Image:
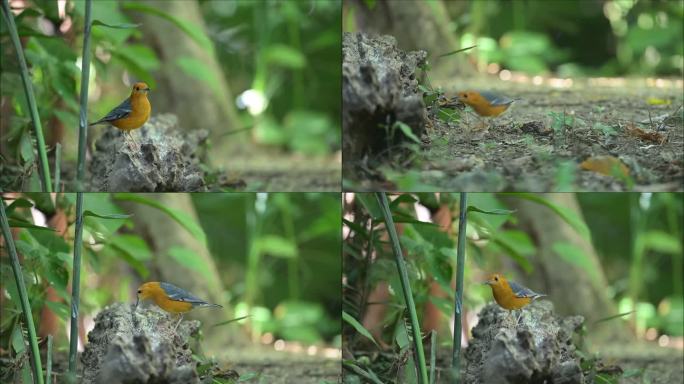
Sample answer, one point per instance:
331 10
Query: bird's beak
147 90
488 282
137 300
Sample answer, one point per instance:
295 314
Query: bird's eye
137 88
496 278
139 291
465 96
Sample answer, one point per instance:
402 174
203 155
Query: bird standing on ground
510 295
485 104
170 298
132 113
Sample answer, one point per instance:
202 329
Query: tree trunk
416 25
570 287
196 104
162 234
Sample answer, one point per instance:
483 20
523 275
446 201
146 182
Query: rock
164 160
138 347
538 350
379 88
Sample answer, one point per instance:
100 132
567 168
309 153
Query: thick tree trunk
570 287
162 234
196 104
416 25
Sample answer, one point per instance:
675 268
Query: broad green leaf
662 242
567 215
190 260
16 223
276 246
199 70
575 256
19 203
182 218
284 56
193 31
133 245
62 310
357 326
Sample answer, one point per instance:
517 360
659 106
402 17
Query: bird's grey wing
122 110
521 291
496 99
179 294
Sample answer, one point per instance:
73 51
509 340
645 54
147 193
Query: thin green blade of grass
23 294
30 98
405 285
456 51
613 317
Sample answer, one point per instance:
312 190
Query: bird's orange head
469 96
140 88
496 280
148 290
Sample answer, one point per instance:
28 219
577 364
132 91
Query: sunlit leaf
276 246
116 26
117 216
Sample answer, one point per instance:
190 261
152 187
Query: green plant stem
458 310
23 294
405 286
433 355
30 97
76 283
48 369
58 159
83 117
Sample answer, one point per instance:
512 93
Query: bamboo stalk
76 283
83 116
405 286
30 97
23 295
458 310
48 369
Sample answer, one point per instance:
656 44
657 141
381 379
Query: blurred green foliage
287 243
574 38
289 51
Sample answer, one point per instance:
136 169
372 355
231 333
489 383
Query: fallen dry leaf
645 135
605 165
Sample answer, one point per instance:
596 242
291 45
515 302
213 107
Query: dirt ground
264 365
541 143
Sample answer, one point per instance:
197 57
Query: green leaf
567 215
575 256
62 310
17 223
662 242
284 56
230 321
182 218
457 51
190 260
490 212
198 69
407 131
276 246
132 245
19 203
193 31
116 216
359 328
116 26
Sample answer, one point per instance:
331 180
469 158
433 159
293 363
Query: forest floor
264 365
591 136
266 170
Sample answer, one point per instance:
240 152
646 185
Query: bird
170 298
484 103
132 113
510 295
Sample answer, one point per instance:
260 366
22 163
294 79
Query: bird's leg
180 318
519 317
